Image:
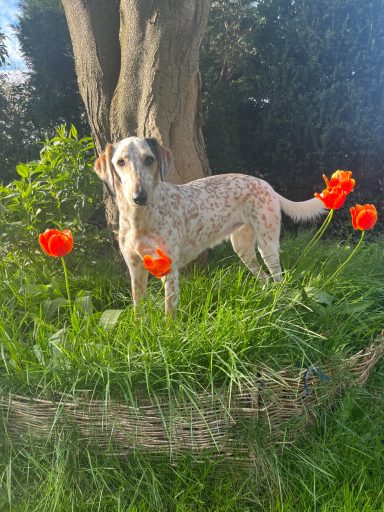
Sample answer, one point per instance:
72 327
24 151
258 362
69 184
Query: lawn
228 324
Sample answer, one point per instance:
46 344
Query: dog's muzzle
140 198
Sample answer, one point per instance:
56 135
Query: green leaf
73 131
318 295
83 303
23 170
57 350
57 337
51 308
109 318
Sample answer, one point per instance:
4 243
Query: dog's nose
140 198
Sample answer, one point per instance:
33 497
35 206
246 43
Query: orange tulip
160 266
363 216
342 179
56 243
332 197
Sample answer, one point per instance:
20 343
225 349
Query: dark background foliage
299 92
290 90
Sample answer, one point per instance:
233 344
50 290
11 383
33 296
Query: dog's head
133 167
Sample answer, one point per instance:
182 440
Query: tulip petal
326 180
43 241
339 200
366 219
359 208
163 255
148 262
353 215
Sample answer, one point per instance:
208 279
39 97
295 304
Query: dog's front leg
139 279
171 285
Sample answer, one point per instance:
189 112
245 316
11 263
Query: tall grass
227 319
228 323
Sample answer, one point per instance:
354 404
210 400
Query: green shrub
58 190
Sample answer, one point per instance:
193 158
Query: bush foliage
57 190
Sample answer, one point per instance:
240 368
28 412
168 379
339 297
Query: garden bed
276 405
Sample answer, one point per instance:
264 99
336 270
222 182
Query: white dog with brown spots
185 220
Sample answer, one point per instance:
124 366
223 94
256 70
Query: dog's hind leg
269 251
243 242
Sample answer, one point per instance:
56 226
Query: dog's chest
144 238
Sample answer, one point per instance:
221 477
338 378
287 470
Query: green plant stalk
316 237
67 284
337 271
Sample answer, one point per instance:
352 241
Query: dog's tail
302 210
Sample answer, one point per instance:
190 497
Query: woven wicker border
204 424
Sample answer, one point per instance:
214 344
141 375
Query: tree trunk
137 68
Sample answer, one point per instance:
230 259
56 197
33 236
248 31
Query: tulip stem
322 229
337 271
67 283
316 237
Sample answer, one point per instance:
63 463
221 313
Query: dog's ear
163 156
104 168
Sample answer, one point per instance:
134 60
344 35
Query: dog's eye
149 160
121 162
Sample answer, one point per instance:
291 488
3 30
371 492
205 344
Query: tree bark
137 68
